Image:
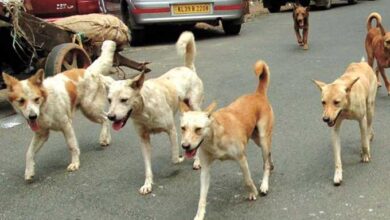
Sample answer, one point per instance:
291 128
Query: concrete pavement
106 186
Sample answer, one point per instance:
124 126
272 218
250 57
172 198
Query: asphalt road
106 186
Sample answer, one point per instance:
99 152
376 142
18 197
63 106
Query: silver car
141 14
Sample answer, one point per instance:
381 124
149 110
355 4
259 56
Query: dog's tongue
33 125
190 154
117 125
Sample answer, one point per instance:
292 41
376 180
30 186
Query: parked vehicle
62 8
274 5
141 14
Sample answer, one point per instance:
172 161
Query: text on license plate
191 9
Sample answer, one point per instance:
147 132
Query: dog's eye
183 128
323 102
36 100
336 102
198 130
21 101
109 101
124 100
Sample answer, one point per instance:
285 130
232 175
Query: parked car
62 8
274 5
141 14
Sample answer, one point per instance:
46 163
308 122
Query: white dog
49 104
152 105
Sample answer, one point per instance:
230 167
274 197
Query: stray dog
49 104
153 104
224 134
352 96
378 47
301 21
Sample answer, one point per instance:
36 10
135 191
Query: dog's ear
350 84
138 81
307 9
210 108
184 107
295 5
9 81
319 84
37 78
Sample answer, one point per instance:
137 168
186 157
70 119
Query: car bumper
161 13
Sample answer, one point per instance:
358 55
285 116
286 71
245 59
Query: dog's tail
186 47
378 18
103 64
262 72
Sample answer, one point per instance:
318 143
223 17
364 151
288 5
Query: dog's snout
185 146
111 117
32 116
326 119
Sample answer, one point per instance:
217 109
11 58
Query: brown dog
378 47
224 135
301 21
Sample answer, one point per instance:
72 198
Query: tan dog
301 22
224 135
352 96
378 47
49 104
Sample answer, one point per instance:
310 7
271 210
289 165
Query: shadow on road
159 35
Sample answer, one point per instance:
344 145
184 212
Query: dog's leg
366 156
205 162
265 141
74 150
379 84
338 174
298 34
94 112
36 143
387 83
370 115
247 178
176 158
305 34
105 135
147 154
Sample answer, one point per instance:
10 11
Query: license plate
191 9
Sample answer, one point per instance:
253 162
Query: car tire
137 37
328 5
274 7
351 2
231 28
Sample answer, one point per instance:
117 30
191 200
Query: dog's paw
264 188
366 158
200 215
305 47
196 165
253 195
73 167
379 84
145 189
105 140
29 178
177 160
338 177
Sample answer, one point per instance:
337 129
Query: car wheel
328 4
231 28
137 37
274 7
351 2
